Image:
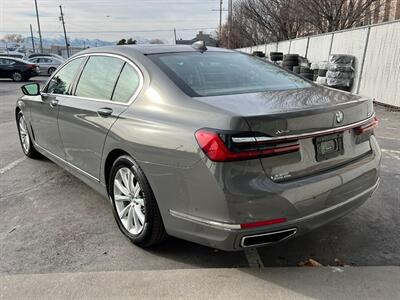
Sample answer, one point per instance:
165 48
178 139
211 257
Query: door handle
105 112
53 102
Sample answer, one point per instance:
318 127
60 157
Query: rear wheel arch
110 159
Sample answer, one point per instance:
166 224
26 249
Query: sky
112 20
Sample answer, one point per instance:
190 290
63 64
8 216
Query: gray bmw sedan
208 145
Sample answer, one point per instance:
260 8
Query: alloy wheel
129 201
24 135
17 76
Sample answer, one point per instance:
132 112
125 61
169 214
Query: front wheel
24 137
51 70
134 205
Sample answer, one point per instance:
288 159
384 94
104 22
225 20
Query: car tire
305 70
25 138
135 208
51 70
296 69
294 57
322 72
290 63
17 76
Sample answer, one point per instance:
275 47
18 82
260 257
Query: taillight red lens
216 150
31 66
262 223
367 127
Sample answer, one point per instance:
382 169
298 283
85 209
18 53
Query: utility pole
175 35
220 19
230 8
65 32
38 24
33 42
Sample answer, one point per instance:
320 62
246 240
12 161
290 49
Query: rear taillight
31 66
262 223
221 147
367 128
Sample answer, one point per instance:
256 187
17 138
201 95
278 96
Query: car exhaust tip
267 238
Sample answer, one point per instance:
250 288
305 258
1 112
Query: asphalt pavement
51 223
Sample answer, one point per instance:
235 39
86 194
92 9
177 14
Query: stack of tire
276 56
322 70
290 61
340 71
258 53
307 73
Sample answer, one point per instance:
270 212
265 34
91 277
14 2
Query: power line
120 31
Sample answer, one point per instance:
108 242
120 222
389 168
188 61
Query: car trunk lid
316 118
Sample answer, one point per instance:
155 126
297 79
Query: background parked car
17 69
47 64
13 54
32 55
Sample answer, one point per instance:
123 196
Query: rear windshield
224 73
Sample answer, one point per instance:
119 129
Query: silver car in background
209 145
47 64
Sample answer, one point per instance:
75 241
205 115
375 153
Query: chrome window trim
67 163
132 64
302 135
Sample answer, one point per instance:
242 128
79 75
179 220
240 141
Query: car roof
153 49
49 57
16 59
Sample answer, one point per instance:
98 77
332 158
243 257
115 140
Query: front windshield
224 73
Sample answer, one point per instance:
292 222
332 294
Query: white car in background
47 64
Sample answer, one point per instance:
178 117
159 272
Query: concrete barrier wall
376 49
299 46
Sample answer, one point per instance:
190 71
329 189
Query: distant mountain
59 41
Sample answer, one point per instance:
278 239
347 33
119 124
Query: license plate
329 146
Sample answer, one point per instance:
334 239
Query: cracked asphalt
50 222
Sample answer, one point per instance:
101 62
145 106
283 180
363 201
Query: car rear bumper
306 205
228 236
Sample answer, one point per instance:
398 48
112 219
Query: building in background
210 41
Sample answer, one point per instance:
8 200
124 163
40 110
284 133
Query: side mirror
31 89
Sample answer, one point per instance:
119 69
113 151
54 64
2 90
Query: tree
244 31
333 15
13 38
121 42
156 41
279 18
131 41
262 21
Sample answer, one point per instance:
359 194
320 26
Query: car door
100 96
44 65
44 109
6 67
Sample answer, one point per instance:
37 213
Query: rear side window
128 83
60 82
223 73
99 77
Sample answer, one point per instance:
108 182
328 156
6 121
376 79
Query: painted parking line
392 153
388 138
11 165
253 258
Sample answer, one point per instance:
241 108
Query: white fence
375 47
